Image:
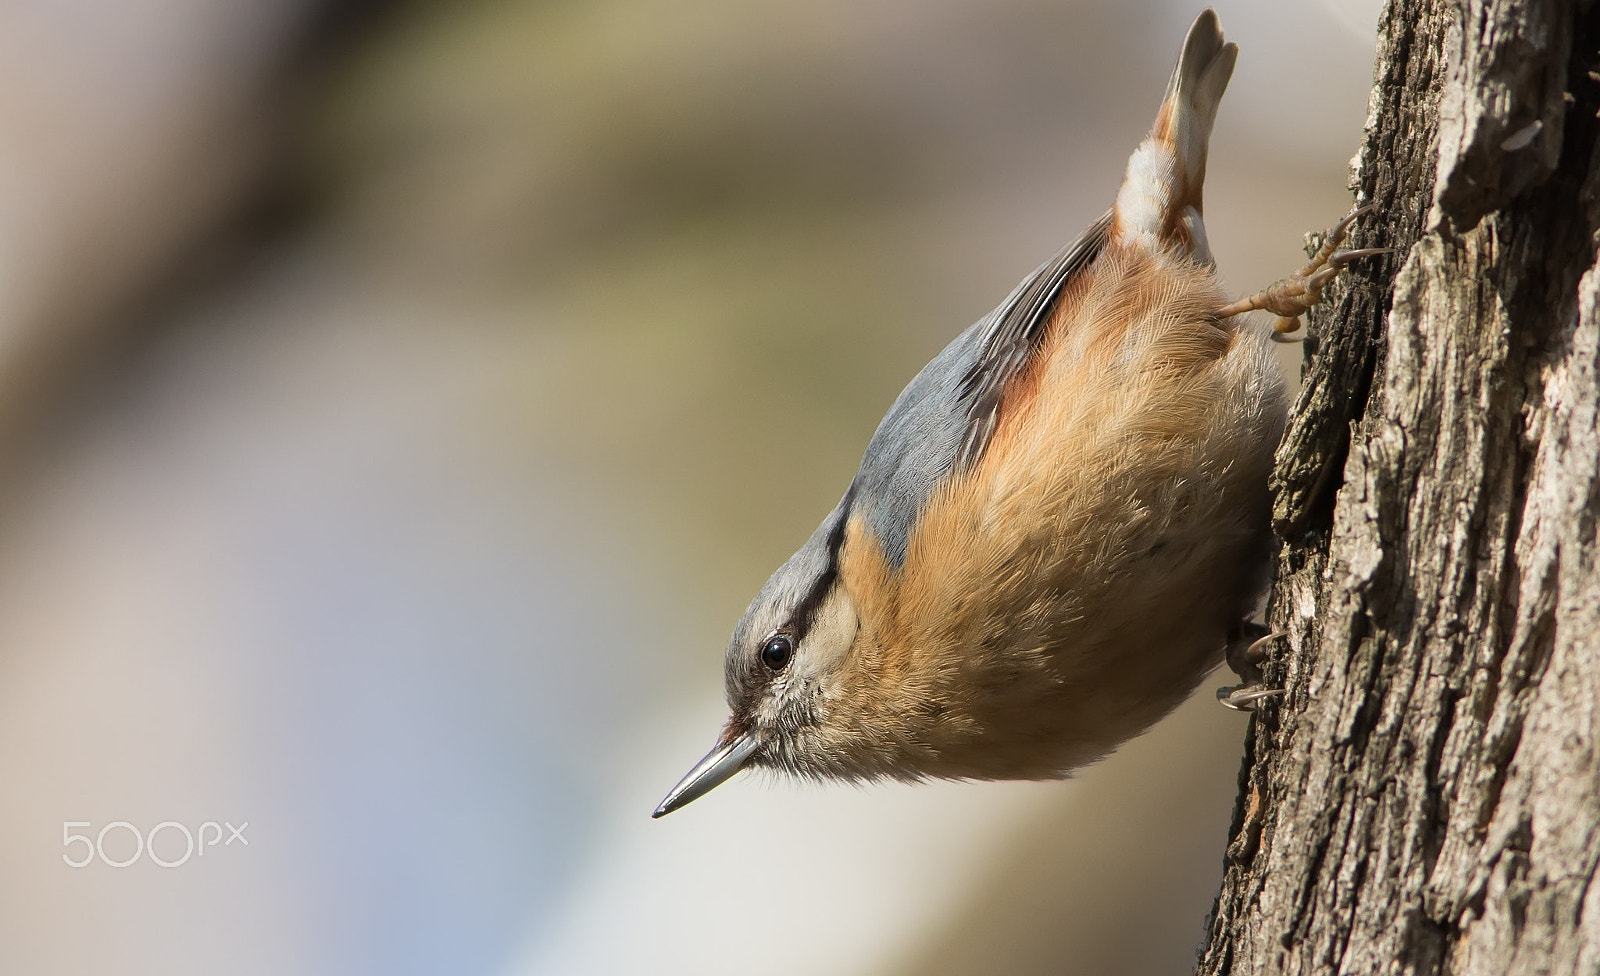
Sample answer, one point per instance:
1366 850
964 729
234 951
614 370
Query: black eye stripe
805 612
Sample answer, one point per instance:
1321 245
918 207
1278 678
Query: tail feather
1159 204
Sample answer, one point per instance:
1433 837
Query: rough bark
1426 796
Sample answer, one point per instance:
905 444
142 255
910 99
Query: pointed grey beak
709 773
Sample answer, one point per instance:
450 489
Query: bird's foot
1292 296
1246 651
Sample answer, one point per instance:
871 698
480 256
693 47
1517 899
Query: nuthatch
1062 523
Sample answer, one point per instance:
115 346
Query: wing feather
1013 331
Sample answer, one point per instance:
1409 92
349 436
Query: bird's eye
776 653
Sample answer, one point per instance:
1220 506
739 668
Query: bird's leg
1247 642
1290 297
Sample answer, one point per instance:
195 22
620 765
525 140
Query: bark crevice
1426 797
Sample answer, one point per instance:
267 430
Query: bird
1062 523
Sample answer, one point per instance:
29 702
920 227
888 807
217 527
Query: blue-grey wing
945 417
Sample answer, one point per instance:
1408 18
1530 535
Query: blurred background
399 403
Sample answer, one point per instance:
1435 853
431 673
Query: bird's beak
709 773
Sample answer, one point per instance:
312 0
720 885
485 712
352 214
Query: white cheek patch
820 655
832 632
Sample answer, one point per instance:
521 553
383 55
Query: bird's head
795 678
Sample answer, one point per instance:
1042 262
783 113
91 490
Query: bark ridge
1426 797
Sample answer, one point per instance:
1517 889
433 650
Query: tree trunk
1426 796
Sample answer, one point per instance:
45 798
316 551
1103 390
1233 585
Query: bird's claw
1290 297
1245 660
1244 698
